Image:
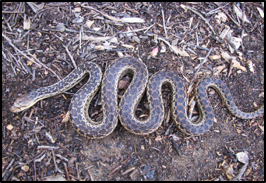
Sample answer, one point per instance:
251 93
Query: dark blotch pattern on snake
125 110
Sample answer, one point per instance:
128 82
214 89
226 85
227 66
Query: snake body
125 110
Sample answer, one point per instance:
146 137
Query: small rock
146 168
150 174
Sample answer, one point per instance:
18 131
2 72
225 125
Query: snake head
22 103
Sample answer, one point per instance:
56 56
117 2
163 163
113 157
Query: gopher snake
125 110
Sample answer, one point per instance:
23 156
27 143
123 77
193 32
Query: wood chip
9 127
132 20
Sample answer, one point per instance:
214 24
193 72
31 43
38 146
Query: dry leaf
237 65
89 23
158 138
227 57
230 171
154 52
218 69
220 17
9 127
163 47
132 20
224 32
177 50
66 118
250 66
261 12
240 14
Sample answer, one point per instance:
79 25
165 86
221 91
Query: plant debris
44 42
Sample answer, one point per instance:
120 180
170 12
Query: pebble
146 168
119 145
150 174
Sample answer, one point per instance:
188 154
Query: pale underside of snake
125 110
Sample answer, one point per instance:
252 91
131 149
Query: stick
192 45
214 11
137 30
69 54
228 15
164 26
183 6
159 38
196 73
36 62
104 14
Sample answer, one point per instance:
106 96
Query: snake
125 110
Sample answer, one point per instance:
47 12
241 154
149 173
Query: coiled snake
125 110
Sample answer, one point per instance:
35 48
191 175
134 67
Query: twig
114 170
159 38
104 14
217 4
47 147
205 20
214 11
240 173
197 38
90 173
69 54
7 23
189 49
138 30
77 168
168 129
9 165
56 168
80 35
13 12
128 170
196 73
68 179
36 62
34 166
164 26
192 45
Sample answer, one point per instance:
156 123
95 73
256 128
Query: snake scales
125 110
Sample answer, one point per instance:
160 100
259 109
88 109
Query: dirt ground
37 144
